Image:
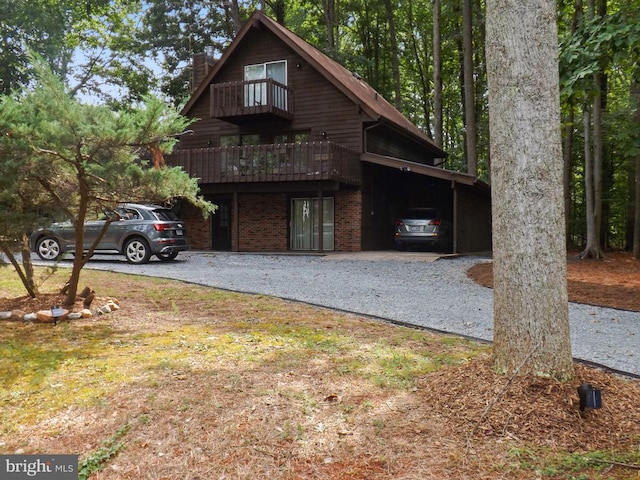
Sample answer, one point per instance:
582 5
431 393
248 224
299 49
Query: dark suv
136 231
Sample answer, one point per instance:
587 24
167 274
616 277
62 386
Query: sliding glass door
255 93
304 224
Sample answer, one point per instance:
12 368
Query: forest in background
427 58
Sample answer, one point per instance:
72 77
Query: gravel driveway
414 288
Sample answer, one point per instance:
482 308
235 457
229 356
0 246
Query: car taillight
159 227
435 222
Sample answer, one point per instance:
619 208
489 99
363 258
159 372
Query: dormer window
256 91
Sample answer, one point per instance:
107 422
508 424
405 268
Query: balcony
241 102
286 162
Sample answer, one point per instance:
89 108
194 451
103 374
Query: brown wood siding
387 142
473 225
319 106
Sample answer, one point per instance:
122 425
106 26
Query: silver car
136 231
422 227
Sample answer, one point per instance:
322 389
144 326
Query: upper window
292 137
256 91
237 140
260 71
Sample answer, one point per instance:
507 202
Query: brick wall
198 229
263 222
348 220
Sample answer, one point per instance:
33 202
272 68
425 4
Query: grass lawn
188 382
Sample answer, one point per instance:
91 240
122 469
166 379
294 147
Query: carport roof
421 169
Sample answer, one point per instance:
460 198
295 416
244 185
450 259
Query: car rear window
165 215
420 213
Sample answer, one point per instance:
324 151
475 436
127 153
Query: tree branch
505 388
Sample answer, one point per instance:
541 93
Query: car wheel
48 248
137 250
167 257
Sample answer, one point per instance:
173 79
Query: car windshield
420 213
165 215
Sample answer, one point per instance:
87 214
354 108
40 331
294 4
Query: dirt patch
610 282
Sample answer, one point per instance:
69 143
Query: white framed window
255 93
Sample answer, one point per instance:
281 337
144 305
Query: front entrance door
221 225
304 224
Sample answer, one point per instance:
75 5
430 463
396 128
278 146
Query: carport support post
455 217
320 221
235 222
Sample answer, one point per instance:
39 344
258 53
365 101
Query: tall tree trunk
395 56
437 76
278 7
25 272
567 157
635 93
235 16
593 179
588 183
330 21
471 129
531 317
593 249
422 65
568 139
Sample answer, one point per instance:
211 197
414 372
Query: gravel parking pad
414 288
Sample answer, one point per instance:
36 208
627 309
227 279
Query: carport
390 185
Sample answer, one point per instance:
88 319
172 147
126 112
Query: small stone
30 317
75 316
113 305
5 315
86 313
46 316
18 314
105 309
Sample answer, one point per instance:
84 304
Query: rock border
46 316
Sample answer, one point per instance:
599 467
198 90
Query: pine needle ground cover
192 382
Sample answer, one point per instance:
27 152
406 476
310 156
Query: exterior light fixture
590 397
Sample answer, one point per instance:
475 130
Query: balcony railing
234 101
285 162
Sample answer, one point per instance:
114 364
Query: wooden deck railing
283 162
252 97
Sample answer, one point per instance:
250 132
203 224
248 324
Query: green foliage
72 149
80 157
54 29
98 458
591 465
118 39
172 32
596 45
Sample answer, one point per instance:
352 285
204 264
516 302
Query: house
288 143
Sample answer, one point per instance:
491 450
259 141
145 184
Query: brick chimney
202 63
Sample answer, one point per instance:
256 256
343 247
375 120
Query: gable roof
361 93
